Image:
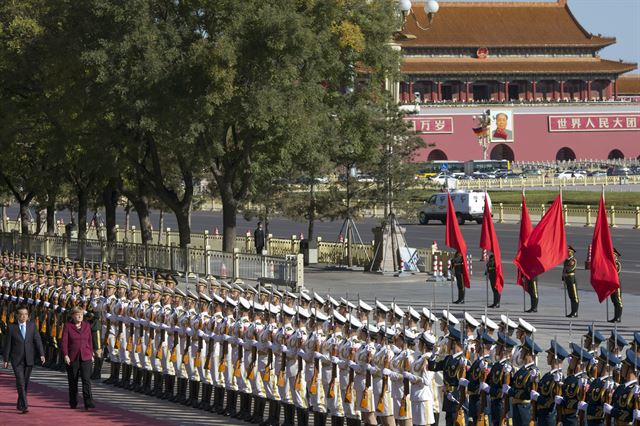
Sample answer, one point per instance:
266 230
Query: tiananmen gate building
533 66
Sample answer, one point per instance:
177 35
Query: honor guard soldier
314 366
162 348
616 343
469 336
95 319
251 362
549 386
523 382
296 364
477 388
423 389
175 346
457 267
330 377
381 362
499 376
453 368
491 274
574 386
363 380
523 331
592 340
636 342
569 278
624 404
280 354
616 296
600 389
266 362
427 321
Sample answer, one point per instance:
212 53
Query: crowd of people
260 354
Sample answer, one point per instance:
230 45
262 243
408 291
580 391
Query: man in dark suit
258 238
21 344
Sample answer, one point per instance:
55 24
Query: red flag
525 231
604 275
454 239
547 244
489 241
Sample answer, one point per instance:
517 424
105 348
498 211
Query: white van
468 206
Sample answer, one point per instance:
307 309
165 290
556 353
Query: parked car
532 173
618 171
440 178
569 174
597 173
468 205
483 175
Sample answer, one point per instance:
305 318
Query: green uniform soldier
616 296
569 278
457 264
491 274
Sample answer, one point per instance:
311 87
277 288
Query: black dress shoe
612 320
496 306
88 405
25 410
492 306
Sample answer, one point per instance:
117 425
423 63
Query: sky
612 18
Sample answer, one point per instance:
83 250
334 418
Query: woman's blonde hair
77 310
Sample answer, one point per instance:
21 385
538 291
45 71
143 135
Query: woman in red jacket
77 348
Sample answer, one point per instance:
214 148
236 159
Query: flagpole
563 283
606 302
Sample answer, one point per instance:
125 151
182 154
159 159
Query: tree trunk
83 202
51 218
229 211
39 223
183 216
141 205
24 217
160 226
127 211
312 210
110 197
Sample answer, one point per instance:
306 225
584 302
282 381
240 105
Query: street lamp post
483 124
431 7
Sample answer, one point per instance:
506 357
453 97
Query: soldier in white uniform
313 369
363 381
346 353
198 350
296 365
150 335
330 371
400 385
174 345
266 362
251 364
212 359
105 310
225 366
122 320
280 354
141 364
240 357
523 330
162 357
423 386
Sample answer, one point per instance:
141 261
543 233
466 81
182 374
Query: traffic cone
301 236
484 255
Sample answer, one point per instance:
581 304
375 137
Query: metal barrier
287 270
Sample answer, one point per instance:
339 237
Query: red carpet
49 406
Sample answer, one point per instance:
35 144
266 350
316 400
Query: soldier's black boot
237 414
146 382
116 373
181 396
96 374
303 416
231 403
496 300
534 305
218 400
319 419
194 391
136 373
112 368
289 414
245 407
157 385
170 382
178 386
274 414
205 402
258 410
126 376
337 421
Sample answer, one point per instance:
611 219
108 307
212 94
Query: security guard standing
457 265
616 296
569 278
491 274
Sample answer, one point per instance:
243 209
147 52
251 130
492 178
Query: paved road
625 239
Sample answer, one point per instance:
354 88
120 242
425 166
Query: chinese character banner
594 123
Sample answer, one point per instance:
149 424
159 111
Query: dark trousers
259 249
80 369
22 373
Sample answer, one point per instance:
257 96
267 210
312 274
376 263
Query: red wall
533 141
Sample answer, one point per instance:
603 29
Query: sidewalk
48 405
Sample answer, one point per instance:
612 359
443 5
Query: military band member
523 382
490 272
574 386
457 268
569 278
616 296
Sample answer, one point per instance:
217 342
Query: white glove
240 341
636 390
505 388
450 397
557 376
386 371
318 355
301 352
464 382
200 333
284 349
484 387
534 373
507 368
593 361
352 365
371 368
583 382
407 375
636 415
607 408
558 399
335 360
534 395
582 406
30 301
47 304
